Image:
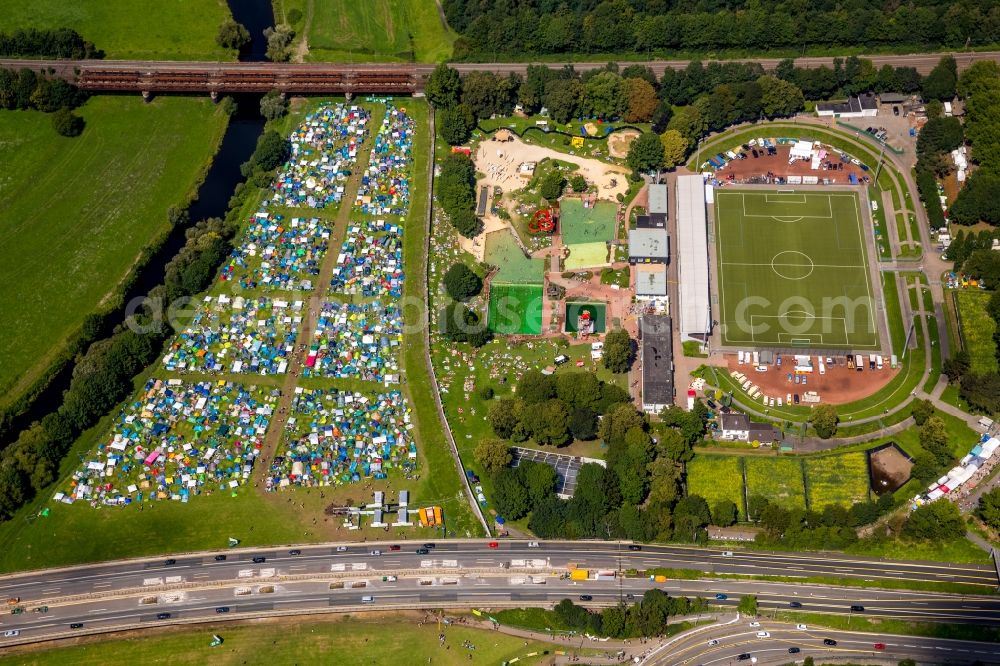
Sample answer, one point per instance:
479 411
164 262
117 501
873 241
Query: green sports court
515 309
586 232
793 270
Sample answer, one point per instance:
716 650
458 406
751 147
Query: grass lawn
129 30
351 641
76 214
976 329
969 632
777 479
799 247
383 30
837 479
717 478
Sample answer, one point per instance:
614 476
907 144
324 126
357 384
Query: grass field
125 29
717 478
793 270
353 642
777 479
515 268
586 225
75 214
383 30
977 328
515 308
837 479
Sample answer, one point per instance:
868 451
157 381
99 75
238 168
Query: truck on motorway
579 574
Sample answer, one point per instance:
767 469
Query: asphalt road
456 574
738 637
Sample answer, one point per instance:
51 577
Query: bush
578 183
294 16
273 105
552 184
232 35
54 43
67 123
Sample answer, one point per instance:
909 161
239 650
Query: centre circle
792 265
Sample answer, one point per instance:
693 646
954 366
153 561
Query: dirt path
315 301
302 48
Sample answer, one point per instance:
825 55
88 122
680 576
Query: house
859 106
648 246
650 281
739 427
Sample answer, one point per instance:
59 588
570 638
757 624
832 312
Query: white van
368 600
822 368
859 363
878 362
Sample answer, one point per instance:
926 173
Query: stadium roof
692 256
657 362
658 198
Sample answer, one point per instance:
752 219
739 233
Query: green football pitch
515 308
793 270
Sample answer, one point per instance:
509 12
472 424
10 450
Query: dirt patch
592 129
838 386
619 142
777 165
890 468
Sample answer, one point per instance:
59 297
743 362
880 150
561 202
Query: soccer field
793 270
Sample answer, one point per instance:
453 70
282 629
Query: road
456 574
737 637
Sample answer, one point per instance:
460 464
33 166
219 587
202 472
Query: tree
535 387
67 123
605 95
539 479
921 410
933 436
675 147
937 521
642 100
779 98
934 109
748 605
689 121
487 94
824 419
957 365
232 35
724 513
273 105
562 98
461 282
941 82
547 422
503 416
578 183
618 421
552 184
582 423
492 455
988 510
279 38
443 86
645 154
618 351
510 495
455 123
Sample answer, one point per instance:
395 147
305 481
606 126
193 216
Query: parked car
895 110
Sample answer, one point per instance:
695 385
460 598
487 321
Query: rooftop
658 198
657 360
651 280
648 243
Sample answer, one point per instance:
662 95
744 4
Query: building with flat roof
657 363
694 303
859 106
650 281
657 198
651 221
648 246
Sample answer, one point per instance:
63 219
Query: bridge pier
215 95
147 95
347 95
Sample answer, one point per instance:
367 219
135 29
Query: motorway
455 574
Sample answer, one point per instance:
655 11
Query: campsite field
382 30
977 329
717 478
793 270
352 641
837 479
777 479
75 214
124 29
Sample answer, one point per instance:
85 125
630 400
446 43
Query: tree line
980 390
104 368
648 616
979 200
492 30
25 89
51 43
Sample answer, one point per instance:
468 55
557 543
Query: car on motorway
744 657
532 544
721 597
260 559
494 544
341 549
222 609
163 616
76 625
430 546
170 562
879 646
423 551
727 553
714 641
10 633
634 547
793 650
754 624
829 641
376 553
17 610
220 558
795 604
586 597
802 627
394 547
295 552
857 609
630 596
763 634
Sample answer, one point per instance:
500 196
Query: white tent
801 150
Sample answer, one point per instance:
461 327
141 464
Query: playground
579 313
515 309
